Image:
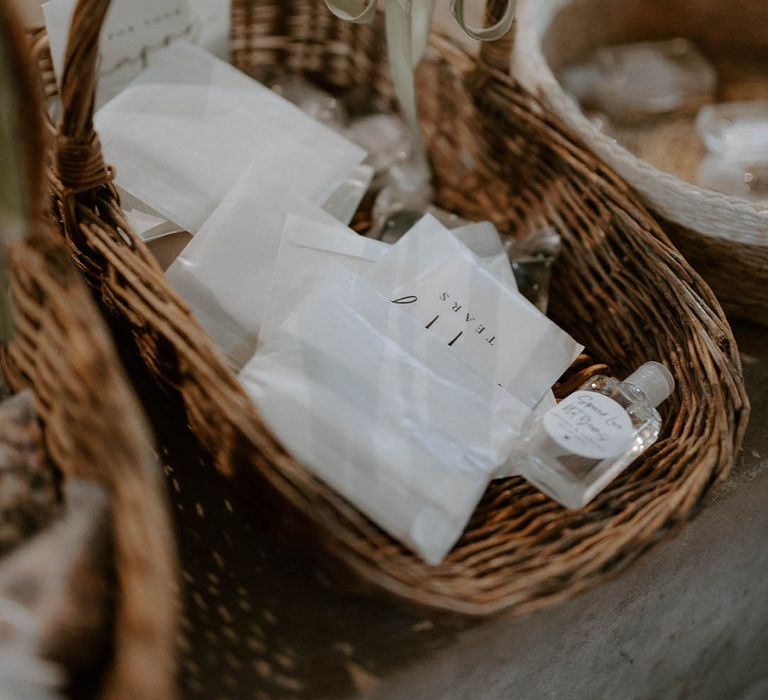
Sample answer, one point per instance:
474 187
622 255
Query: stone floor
688 620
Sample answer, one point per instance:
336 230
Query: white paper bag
383 411
494 328
309 251
185 130
224 273
483 239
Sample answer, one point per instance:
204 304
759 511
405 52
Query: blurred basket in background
725 238
93 426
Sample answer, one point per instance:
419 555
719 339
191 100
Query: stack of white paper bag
401 375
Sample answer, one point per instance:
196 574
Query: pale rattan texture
93 426
620 288
725 238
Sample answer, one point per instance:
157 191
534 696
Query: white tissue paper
185 130
383 411
437 279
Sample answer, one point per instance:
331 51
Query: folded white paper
383 411
440 281
145 221
185 130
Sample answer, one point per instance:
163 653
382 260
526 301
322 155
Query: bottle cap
655 381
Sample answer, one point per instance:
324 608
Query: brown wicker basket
93 426
620 288
725 238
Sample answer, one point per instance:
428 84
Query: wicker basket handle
78 159
497 54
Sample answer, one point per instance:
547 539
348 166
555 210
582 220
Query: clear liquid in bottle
577 448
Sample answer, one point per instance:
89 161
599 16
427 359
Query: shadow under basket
725 238
619 287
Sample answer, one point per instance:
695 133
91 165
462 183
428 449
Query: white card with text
492 326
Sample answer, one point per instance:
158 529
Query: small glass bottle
577 448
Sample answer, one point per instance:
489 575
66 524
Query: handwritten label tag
441 282
131 29
589 425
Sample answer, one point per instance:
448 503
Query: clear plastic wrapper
312 100
184 131
748 180
446 218
383 411
532 258
406 193
385 137
637 81
345 201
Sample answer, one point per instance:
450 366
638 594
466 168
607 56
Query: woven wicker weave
620 288
724 238
93 426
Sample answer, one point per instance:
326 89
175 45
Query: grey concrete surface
689 620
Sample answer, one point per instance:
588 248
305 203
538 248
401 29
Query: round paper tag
589 425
